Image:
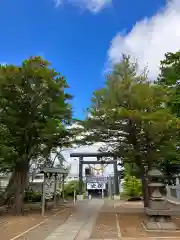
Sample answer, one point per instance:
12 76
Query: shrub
69 188
132 186
31 196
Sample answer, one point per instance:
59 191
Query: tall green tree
170 69
170 78
130 115
35 111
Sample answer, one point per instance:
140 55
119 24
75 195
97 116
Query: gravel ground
44 230
131 225
105 227
129 216
12 226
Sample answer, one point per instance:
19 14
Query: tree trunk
145 191
9 189
144 180
20 178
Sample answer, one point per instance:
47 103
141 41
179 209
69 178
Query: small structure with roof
159 214
51 175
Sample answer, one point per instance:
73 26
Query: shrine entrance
98 186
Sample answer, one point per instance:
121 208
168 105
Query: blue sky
81 40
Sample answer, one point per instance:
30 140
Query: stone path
79 225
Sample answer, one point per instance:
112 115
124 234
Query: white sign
91 186
95 179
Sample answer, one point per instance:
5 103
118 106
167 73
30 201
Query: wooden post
43 196
55 197
102 193
80 175
111 187
74 195
63 188
116 183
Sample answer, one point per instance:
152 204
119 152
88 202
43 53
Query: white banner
49 188
95 179
91 186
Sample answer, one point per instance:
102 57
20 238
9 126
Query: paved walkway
79 225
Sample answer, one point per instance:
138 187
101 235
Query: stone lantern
159 215
156 200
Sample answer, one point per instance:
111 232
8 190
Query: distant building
38 178
71 177
4 180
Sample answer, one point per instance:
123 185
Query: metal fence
173 192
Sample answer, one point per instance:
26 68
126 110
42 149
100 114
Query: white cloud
91 5
150 39
58 2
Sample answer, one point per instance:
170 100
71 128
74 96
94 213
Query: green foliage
132 186
69 188
170 76
35 112
31 196
131 116
132 169
170 69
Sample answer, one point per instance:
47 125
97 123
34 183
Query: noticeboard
93 185
97 179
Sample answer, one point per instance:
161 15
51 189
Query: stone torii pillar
116 182
80 175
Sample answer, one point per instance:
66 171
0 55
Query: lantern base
160 223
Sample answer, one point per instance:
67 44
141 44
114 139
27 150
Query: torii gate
98 155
